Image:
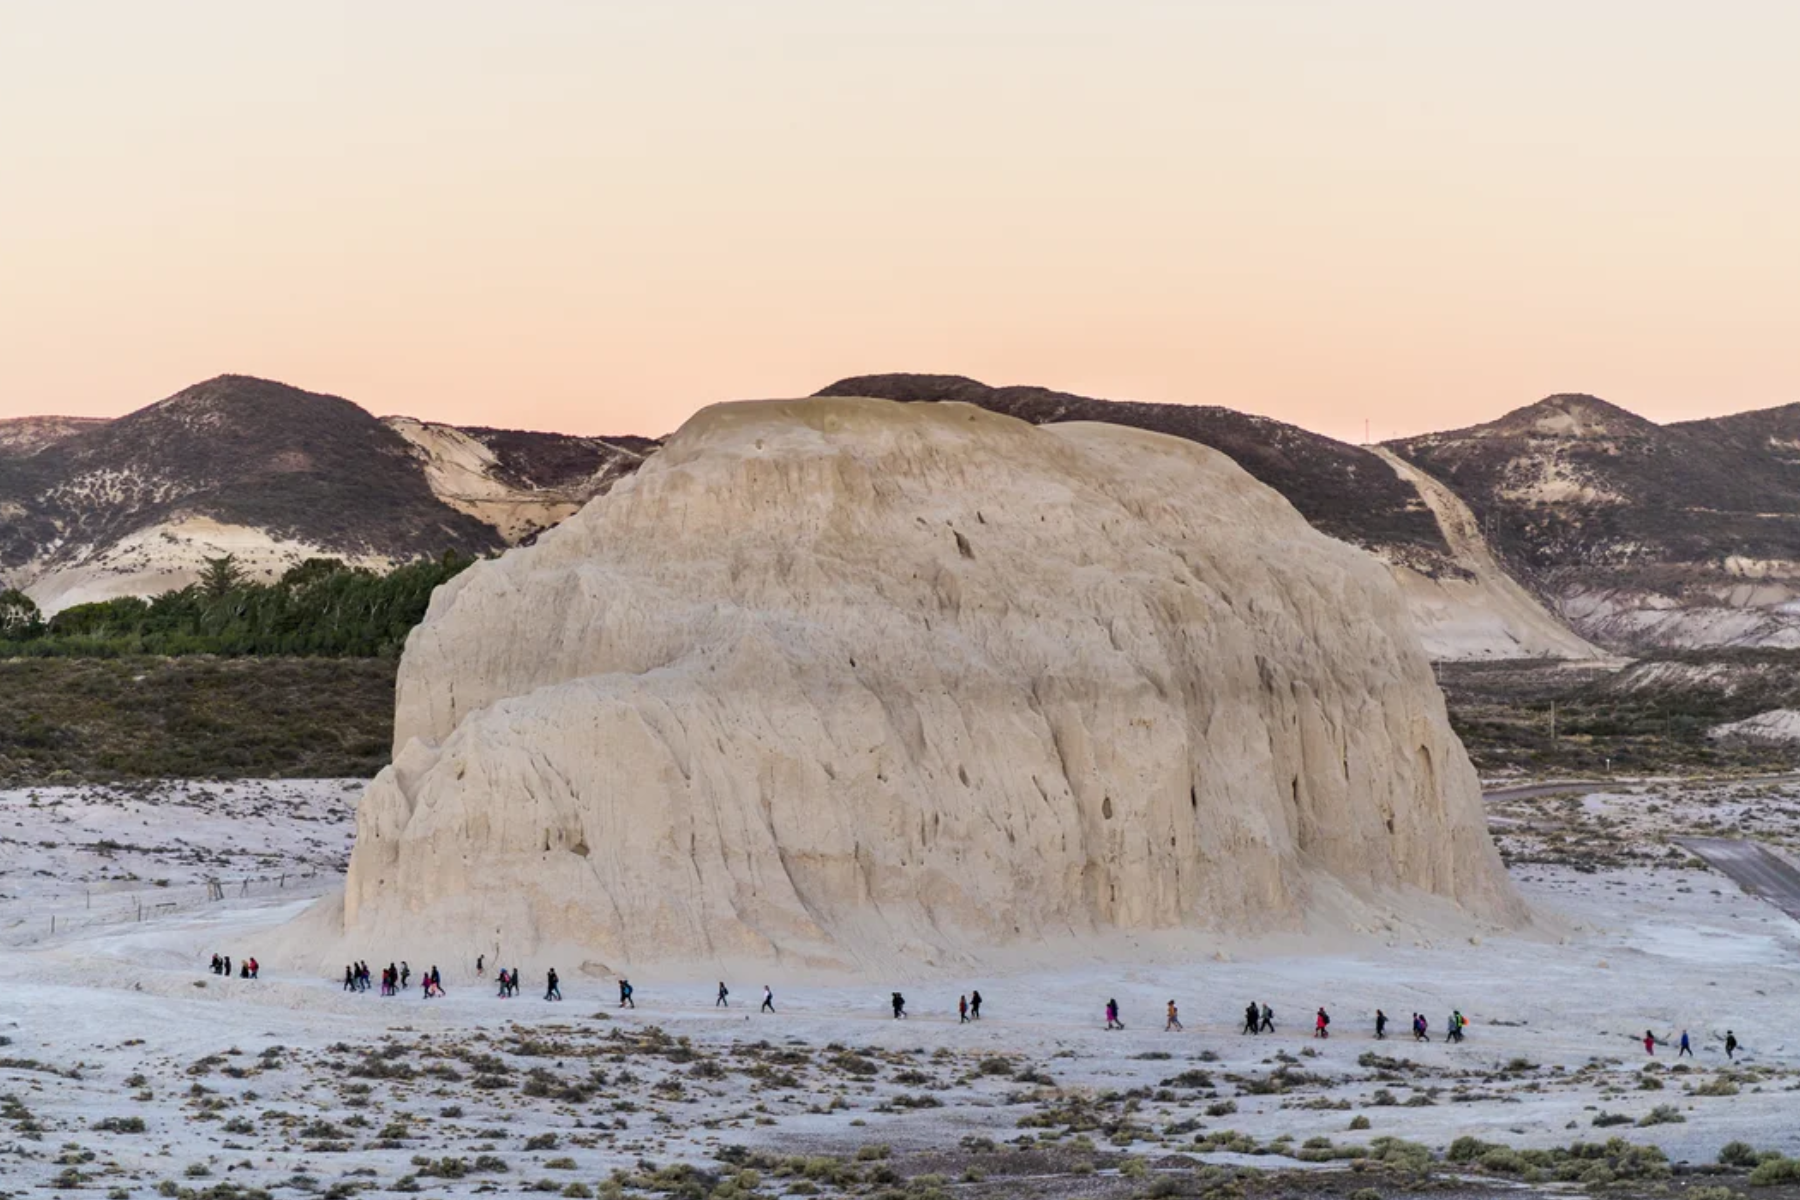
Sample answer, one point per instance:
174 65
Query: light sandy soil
167 557
1488 615
289 1082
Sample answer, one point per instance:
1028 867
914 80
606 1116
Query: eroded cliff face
844 682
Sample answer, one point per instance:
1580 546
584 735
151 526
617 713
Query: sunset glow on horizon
599 217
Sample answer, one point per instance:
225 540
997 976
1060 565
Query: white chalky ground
288 1081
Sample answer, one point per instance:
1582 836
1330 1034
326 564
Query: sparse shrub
1775 1170
1662 1114
1468 1149
120 1124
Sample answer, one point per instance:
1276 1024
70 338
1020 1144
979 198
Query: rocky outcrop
1463 602
854 683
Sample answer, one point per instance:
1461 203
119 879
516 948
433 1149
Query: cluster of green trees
320 608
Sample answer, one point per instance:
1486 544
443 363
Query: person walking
1252 1018
1731 1045
255 968
228 966
504 980
625 994
974 1006
1268 1019
899 1003
1380 1025
1461 1022
552 986
1454 1025
1321 1024
962 1010
768 1004
1686 1049
480 966
1650 1042
721 1002
1112 1015
405 975
1173 1024
349 978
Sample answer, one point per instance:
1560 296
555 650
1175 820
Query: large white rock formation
848 682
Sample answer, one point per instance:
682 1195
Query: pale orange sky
598 217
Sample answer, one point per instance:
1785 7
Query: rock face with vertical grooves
851 683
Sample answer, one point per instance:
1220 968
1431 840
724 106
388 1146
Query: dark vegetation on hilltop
320 608
82 720
1340 489
548 460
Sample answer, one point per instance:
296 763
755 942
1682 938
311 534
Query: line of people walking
1259 1018
395 978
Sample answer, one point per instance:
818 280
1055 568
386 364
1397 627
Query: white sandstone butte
845 683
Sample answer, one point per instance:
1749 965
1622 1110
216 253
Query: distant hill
1563 526
1643 535
21 437
272 474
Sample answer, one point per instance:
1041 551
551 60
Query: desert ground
130 1070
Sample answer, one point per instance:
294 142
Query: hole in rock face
1390 824
962 546
1106 808
1194 797
963 774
